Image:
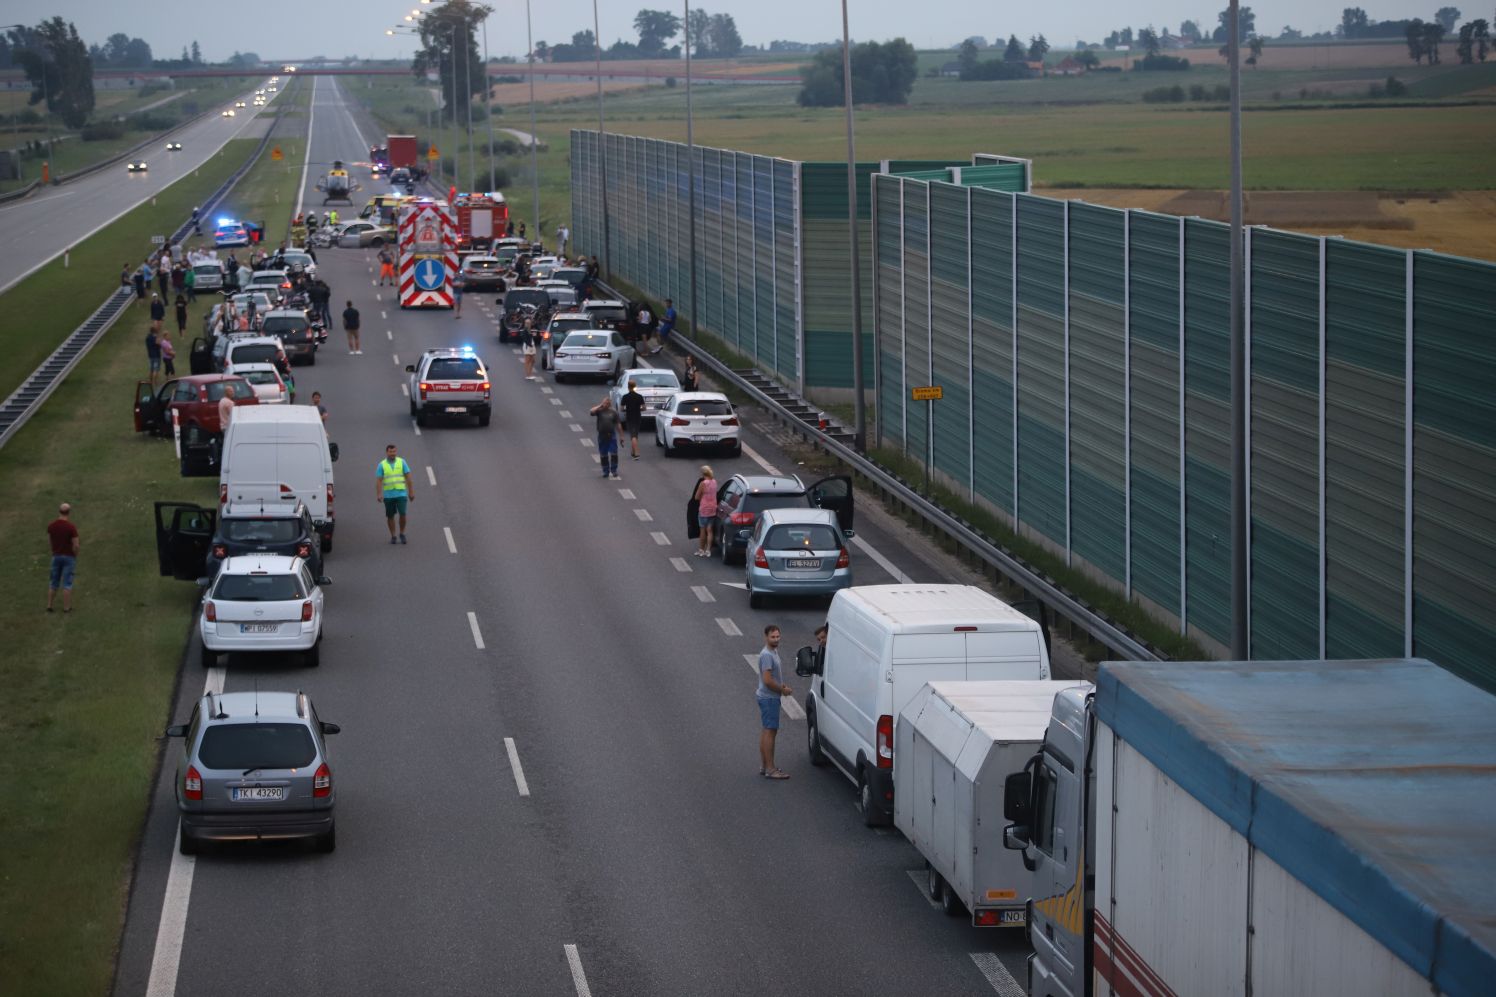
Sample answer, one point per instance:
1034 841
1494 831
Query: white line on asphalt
735 585
626 493
997 974
547 391
384 315
703 594
918 875
644 516
311 118
430 476
578 977
792 709
389 335
679 563
574 427
473 625
883 562
661 539
585 442
415 427
396 357
728 627
595 458
405 389
557 401
378 296
514 350
519 773
564 413
451 544
759 459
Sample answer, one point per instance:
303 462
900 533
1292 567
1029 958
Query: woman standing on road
706 508
528 347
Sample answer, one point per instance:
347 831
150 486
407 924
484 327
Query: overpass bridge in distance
553 71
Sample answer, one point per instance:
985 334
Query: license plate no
250 793
456 408
803 563
1013 917
258 628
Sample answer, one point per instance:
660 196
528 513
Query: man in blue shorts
770 687
392 487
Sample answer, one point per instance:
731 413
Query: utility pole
534 140
488 102
1241 640
859 407
467 94
602 145
691 169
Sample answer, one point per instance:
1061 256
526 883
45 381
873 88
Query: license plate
803 563
258 628
456 408
1012 917
705 439
246 793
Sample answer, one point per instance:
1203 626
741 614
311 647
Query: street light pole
1241 643
602 144
534 140
488 105
859 407
467 93
691 169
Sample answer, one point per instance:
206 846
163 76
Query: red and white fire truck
481 218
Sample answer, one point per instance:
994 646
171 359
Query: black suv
743 496
256 528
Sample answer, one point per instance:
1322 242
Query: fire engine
481 218
427 236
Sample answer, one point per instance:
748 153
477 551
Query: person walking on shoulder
770 687
607 435
350 326
690 378
64 538
392 487
457 295
706 509
667 325
633 415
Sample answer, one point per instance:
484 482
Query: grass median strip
87 693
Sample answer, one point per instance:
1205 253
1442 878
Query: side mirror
204 582
849 534
330 728
805 662
1016 838
177 730
323 580
410 368
332 451
1016 789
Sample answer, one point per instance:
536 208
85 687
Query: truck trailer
427 240
1248 828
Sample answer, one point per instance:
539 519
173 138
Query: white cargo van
280 454
884 643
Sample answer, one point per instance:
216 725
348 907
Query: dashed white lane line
547 391
575 427
703 594
389 335
514 350
396 358
564 413
405 389
595 458
758 458
728 627
741 586
430 476
626 493
451 544
378 296
788 704
997 974
415 427
172 928
679 564
477 634
644 516
661 539
557 401
519 773
384 315
883 562
578 976
585 442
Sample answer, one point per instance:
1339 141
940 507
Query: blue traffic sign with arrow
430 274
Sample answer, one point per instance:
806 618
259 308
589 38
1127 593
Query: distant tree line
714 35
881 74
1013 64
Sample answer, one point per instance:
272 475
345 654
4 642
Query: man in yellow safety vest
392 487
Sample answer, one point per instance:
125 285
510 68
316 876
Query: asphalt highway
547 777
40 227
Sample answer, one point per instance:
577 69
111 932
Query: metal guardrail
20 192
38 387
1117 640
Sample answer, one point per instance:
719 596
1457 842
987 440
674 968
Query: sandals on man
774 774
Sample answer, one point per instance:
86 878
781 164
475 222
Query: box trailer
426 234
956 742
1239 828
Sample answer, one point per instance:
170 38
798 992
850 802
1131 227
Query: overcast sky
295 29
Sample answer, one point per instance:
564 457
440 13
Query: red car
195 397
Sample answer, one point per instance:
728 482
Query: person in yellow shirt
392 486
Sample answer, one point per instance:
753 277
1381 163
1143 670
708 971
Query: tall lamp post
15 119
1241 642
534 140
602 145
488 104
690 169
859 408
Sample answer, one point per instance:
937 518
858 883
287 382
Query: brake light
759 560
678 421
322 782
210 612
286 491
964 630
425 387
192 784
306 611
605 356
220 551
885 741
303 550
742 518
844 559
731 420
223 494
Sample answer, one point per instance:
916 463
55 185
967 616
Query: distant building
951 69
1068 67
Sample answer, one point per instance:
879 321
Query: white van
884 643
279 453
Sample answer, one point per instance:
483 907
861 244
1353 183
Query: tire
314 656
950 904
560 377
326 544
328 842
871 815
545 362
421 418
755 601
378 242
485 418
934 884
657 441
311 361
209 658
813 740
617 372
187 844
412 410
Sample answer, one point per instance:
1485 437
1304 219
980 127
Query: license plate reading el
258 628
246 793
803 563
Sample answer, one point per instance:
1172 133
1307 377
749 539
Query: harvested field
1372 55
548 92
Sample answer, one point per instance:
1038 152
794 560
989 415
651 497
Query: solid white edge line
578 977
997 974
757 458
451 544
883 562
473 625
311 116
519 773
430 476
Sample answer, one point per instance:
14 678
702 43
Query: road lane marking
405 389
451 544
997 974
788 704
585 442
384 315
415 427
576 428
557 401
389 335
703 594
728 627
735 585
883 562
519 773
759 459
644 516
547 391
564 413
661 539
578 977
626 493
396 357
679 563
595 458
430 476
473 625
311 117
378 296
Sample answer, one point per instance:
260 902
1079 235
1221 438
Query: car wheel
412 410
421 418
311 360
186 844
545 363
813 739
950 904
657 441
560 377
314 656
933 883
326 544
755 601
327 842
209 658
377 243
617 371
871 815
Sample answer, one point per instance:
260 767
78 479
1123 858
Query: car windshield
261 300
816 536
562 326
654 379
527 296
260 377
759 501
454 369
257 746
562 295
268 531
288 325
258 588
254 353
241 389
704 406
207 270
476 265
577 340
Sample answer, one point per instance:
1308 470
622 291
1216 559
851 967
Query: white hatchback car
262 603
592 353
697 419
270 389
656 384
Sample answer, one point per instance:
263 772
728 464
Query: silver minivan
797 552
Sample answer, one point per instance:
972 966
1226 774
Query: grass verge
86 693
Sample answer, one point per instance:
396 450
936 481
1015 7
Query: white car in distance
592 353
269 387
656 384
260 604
701 419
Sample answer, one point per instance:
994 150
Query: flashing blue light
466 348
226 221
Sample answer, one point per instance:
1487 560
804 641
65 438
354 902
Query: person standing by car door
770 687
392 487
706 508
153 353
64 538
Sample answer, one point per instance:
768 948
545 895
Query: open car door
183 533
146 411
200 359
834 493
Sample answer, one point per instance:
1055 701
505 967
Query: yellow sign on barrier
432 154
928 393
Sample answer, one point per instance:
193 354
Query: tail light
210 612
220 551
322 782
678 421
605 356
425 387
742 518
731 420
192 784
223 494
303 550
885 741
759 560
286 491
329 501
486 388
844 559
306 611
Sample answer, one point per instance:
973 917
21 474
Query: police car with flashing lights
230 233
450 382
